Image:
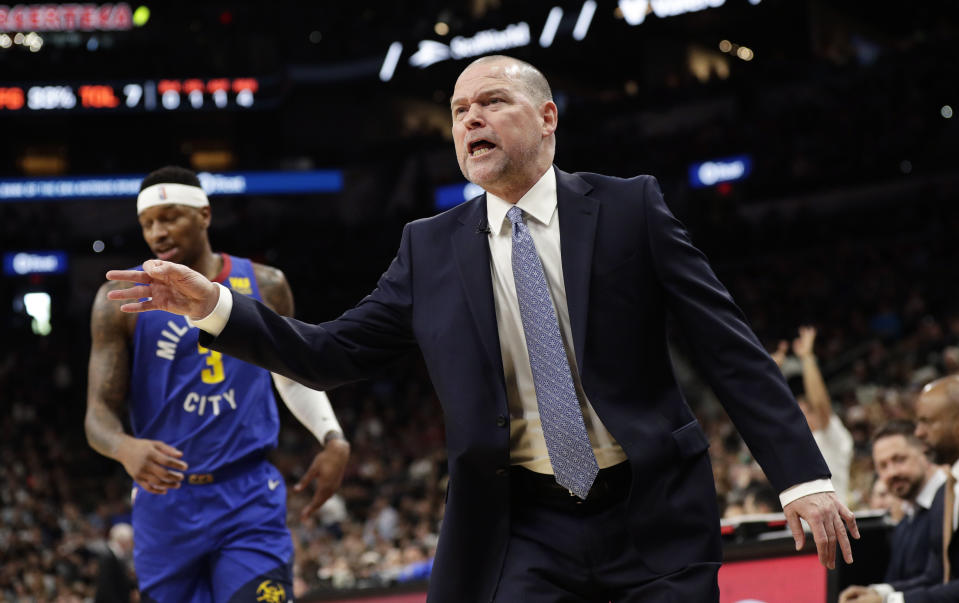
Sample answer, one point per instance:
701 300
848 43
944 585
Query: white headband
169 193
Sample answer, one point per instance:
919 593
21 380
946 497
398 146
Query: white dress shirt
527 443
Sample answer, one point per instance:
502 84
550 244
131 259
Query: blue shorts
215 543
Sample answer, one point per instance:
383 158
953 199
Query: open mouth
480 147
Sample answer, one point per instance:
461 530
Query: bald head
530 78
937 418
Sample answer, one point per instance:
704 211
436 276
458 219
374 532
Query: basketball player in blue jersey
209 511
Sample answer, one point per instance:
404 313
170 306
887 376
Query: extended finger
308 477
799 535
830 529
164 461
850 518
843 539
135 292
158 474
130 276
822 540
316 503
172 456
152 487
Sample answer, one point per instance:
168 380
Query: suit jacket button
501 421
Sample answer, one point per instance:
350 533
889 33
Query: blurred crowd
875 280
886 319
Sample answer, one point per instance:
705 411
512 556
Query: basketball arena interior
810 148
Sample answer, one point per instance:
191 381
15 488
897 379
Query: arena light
38 306
635 11
389 63
452 195
711 173
128 185
22 263
584 20
66 17
549 29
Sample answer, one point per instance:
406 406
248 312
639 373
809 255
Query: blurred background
811 148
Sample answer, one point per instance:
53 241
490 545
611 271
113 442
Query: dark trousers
567 553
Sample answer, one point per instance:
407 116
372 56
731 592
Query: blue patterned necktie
567 442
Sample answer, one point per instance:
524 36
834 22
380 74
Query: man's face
936 425
175 232
498 131
900 465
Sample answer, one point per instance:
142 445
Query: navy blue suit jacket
930 587
910 548
626 263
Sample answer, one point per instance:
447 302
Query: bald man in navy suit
612 498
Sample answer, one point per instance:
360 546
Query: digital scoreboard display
193 94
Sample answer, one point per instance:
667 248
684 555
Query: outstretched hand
828 519
167 286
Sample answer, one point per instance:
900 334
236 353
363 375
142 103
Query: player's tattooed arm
274 289
153 464
108 374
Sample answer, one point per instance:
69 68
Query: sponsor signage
19 263
711 173
235 183
66 17
454 194
191 94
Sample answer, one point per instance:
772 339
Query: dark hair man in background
937 425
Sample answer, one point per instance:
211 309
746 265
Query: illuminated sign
516 35
66 17
236 183
484 42
34 262
710 173
635 11
193 94
454 194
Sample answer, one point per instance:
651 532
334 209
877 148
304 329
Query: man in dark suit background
900 460
937 425
577 471
115 582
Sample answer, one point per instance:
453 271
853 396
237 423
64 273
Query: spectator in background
114 580
881 499
900 459
834 440
937 425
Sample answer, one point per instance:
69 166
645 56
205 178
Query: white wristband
309 406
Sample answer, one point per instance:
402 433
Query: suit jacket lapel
578 215
471 249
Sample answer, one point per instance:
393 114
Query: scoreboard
192 94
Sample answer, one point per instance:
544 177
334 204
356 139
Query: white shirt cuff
886 591
896 597
214 322
804 489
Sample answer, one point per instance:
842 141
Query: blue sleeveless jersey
214 408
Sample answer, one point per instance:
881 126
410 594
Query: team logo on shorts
270 592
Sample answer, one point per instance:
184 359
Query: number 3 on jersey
213 374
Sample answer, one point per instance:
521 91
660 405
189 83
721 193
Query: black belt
610 487
225 472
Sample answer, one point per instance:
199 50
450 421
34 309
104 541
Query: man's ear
550 115
205 215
